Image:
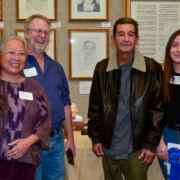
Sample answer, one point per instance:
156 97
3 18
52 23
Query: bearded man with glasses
51 75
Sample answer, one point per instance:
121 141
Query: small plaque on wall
85 87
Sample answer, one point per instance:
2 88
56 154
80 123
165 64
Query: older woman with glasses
25 121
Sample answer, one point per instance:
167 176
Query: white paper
106 24
1 24
84 87
56 24
175 80
25 95
30 72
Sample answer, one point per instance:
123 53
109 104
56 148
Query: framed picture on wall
50 48
157 20
88 10
86 48
26 8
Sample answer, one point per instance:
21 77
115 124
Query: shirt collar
46 57
47 61
138 63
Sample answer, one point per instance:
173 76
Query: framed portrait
157 20
88 10
86 48
50 48
26 8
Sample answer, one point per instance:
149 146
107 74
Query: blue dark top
55 85
172 113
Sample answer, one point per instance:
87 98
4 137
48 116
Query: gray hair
28 21
7 38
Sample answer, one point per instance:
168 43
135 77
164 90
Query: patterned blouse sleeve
44 121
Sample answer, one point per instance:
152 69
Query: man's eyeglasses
12 54
40 31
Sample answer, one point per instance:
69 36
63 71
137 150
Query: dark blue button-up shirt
55 85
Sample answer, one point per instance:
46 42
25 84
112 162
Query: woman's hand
20 149
162 150
21 146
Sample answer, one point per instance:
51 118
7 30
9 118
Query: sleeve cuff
150 147
66 101
96 140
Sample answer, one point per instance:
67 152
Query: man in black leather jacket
126 107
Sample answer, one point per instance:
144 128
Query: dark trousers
131 168
11 170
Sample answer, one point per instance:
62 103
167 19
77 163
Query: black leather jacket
146 102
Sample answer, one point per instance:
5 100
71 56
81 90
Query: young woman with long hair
171 86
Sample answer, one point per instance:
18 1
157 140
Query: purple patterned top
23 118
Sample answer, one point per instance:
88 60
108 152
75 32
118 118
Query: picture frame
127 5
50 49
157 20
1 33
1 11
26 8
97 11
86 48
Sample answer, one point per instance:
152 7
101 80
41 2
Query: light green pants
131 168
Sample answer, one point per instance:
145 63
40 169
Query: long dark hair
168 66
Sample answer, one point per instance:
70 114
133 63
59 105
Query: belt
54 132
173 126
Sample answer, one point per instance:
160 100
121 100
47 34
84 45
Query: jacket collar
138 63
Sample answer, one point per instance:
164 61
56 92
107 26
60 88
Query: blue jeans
170 136
52 161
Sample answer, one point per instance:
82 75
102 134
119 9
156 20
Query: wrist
32 139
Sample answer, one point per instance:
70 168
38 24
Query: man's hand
67 123
98 150
149 156
162 150
70 145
